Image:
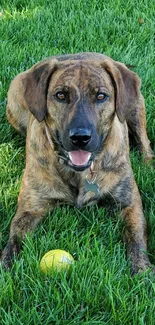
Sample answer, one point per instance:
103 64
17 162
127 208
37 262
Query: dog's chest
83 190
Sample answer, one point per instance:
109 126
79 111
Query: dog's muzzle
78 148
79 158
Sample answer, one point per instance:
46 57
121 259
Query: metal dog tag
91 187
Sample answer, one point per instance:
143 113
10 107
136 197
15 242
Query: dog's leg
135 235
31 210
136 120
22 223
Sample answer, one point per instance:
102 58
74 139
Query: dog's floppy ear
126 85
35 83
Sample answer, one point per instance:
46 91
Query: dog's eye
61 96
101 97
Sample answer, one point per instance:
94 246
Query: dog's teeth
92 166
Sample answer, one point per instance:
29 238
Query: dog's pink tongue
79 157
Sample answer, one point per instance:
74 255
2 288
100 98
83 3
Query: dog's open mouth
79 159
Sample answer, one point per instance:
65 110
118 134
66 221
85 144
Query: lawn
99 288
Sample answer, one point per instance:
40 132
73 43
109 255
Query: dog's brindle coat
78 104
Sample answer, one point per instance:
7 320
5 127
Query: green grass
99 288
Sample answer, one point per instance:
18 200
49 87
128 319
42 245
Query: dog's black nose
80 137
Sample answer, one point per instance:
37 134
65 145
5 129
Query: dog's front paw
148 156
140 265
9 252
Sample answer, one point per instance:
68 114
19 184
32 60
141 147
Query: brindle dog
76 111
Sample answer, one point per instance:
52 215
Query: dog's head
79 100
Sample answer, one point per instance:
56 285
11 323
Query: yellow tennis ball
56 259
